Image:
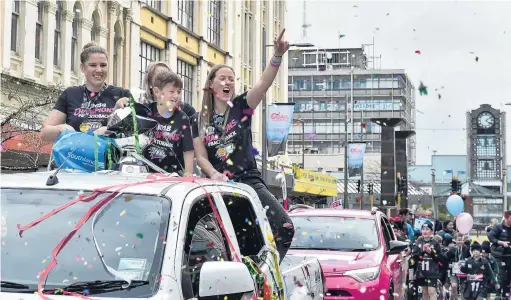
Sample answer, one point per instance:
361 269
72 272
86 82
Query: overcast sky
449 34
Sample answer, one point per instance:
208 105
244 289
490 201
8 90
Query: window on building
15 25
39 30
115 63
185 13
57 37
486 168
148 54
486 146
214 22
74 39
185 70
156 4
94 33
247 47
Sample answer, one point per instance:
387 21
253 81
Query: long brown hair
148 78
207 100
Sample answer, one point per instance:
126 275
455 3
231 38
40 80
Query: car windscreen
129 233
335 233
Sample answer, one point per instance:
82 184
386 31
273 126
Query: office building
320 83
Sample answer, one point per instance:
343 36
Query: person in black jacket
500 239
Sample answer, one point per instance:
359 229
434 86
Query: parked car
164 237
357 249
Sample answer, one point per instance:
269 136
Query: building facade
40 48
193 36
322 84
42 40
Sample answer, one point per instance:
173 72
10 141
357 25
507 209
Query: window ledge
157 12
16 57
189 31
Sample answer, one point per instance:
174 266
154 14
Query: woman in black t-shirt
171 146
225 130
86 108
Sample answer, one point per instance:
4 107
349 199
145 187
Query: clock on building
485 120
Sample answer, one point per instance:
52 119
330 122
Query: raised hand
280 45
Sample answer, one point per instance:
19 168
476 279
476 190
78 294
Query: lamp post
264 146
303 142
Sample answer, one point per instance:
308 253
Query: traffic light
358 186
454 185
371 191
403 184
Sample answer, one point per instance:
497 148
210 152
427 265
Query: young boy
455 254
493 287
479 274
428 256
172 147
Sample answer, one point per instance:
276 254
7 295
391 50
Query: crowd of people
217 135
447 264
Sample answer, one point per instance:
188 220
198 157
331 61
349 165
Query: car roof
332 212
92 181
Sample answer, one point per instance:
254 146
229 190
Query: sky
449 35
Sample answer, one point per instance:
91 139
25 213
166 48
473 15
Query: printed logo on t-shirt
156 153
93 111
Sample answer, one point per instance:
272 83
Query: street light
264 158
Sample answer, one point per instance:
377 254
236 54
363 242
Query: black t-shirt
169 140
428 264
232 151
86 111
192 115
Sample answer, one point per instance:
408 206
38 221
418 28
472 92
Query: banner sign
315 183
279 118
356 152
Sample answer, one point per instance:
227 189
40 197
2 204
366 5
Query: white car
171 238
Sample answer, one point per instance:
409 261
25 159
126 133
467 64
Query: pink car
358 252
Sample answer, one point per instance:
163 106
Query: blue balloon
455 205
77 151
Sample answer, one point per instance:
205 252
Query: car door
393 261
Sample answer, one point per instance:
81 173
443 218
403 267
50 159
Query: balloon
455 205
464 223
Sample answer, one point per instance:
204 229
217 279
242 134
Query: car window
386 234
204 242
245 223
127 234
335 233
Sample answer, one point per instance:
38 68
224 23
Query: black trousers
280 223
504 275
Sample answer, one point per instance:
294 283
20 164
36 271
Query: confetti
423 90
128 198
140 235
477 58
122 213
418 52
230 103
254 151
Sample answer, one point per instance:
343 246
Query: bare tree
24 106
372 169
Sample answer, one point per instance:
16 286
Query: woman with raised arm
225 131
86 108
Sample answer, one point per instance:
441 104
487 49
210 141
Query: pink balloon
464 223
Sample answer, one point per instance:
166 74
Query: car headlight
363 275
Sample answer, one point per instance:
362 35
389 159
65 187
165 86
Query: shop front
313 188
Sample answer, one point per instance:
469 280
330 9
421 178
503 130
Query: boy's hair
165 77
458 235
